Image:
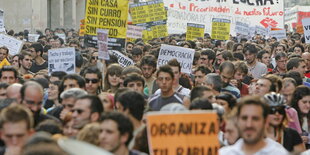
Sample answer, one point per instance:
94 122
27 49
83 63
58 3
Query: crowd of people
259 89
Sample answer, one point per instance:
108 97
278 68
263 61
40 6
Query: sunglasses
79 111
94 57
279 109
91 80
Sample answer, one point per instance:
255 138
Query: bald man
13 91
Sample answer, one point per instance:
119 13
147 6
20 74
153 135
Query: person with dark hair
8 74
32 97
214 82
4 53
202 92
78 62
165 80
201 104
301 102
134 82
237 48
263 56
16 125
176 69
263 86
298 65
25 61
148 67
252 114
112 78
72 81
298 49
281 60
129 47
227 100
240 73
36 52
257 69
200 75
207 58
227 72
3 88
93 79
87 108
306 57
116 133
57 76
136 54
15 62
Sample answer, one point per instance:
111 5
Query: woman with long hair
276 127
112 78
301 102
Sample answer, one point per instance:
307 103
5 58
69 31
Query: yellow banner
107 14
183 133
148 12
194 31
220 29
157 31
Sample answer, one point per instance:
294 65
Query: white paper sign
306 26
33 37
14 45
102 41
2 29
123 60
134 31
242 28
185 56
61 35
61 59
279 34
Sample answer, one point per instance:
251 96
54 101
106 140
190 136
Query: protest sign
220 29
2 29
306 26
62 36
134 32
254 12
242 28
148 11
261 30
194 31
279 34
105 14
82 27
185 57
183 133
61 59
123 60
155 29
33 37
102 42
14 45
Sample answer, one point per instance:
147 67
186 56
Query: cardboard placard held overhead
105 14
185 56
220 29
194 31
102 36
183 133
14 45
123 60
33 37
306 26
61 59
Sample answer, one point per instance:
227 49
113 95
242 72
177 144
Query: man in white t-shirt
252 114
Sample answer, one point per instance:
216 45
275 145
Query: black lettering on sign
92 10
254 2
307 27
91 29
92 20
109 3
161 151
192 128
93 2
197 150
307 37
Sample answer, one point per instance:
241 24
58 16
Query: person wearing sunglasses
276 130
93 59
93 80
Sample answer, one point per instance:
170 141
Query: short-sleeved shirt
156 102
258 70
291 138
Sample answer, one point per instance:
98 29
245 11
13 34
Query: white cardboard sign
185 56
14 45
102 41
61 59
123 60
306 26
